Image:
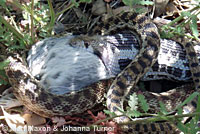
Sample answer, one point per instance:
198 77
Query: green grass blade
189 99
194 27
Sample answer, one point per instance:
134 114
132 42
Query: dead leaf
171 9
160 7
16 122
60 121
33 119
24 124
99 7
8 101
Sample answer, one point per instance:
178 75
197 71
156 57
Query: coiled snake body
28 90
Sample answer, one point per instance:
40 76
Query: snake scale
28 90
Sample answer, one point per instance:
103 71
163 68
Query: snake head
17 69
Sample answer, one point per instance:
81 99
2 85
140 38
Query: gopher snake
27 89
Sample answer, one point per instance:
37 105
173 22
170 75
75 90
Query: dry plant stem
10 27
110 118
183 23
69 6
25 8
14 24
180 17
188 20
169 118
32 23
161 118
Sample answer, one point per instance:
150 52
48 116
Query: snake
28 90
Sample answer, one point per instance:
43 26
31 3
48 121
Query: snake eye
38 77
